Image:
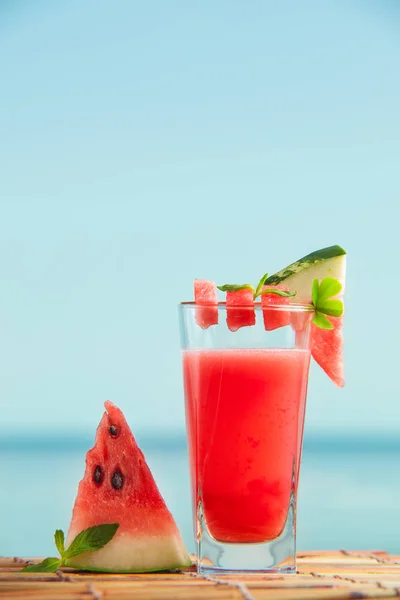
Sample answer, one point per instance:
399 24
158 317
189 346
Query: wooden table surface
334 575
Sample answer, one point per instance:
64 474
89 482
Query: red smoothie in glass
247 406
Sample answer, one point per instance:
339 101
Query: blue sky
145 143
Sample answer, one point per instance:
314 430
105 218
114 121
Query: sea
349 493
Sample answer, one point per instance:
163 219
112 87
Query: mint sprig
277 292
48 565
91 539
260 285
88 540
322 294
234 287
59 540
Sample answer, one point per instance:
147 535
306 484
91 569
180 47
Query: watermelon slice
326 344
205 294
298 277
327 349
240 317
274 319
118 487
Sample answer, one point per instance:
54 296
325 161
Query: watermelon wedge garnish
298 277
327 349
118 487
205 296
326 344
243 316
274 318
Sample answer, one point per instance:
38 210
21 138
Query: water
348 496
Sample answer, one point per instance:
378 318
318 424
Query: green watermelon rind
155 570
303 263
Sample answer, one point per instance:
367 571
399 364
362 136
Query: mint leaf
321 292
277 292
48 565
320 320
233 287
260 285
315 291
334 308
328 288
91 539
59 540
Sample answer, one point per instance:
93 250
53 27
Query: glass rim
300 308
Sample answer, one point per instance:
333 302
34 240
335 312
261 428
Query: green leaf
334 308
259 286
233 287
315 291
59 540
328 288
48 565
277 292
91 539
321 321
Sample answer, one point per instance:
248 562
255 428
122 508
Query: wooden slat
336 575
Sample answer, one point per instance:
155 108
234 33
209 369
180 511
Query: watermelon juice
245 413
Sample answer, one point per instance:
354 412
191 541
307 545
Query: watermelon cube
240 309
274 319
205 295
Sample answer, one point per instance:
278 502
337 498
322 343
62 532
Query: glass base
275 557
278 571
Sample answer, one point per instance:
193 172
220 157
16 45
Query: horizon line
313 441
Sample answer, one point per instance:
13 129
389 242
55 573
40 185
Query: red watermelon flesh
240 317
275 318
327 349
205 294
118 487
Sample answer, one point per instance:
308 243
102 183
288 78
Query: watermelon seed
117 480
98 474
113 430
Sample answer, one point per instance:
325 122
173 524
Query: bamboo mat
337 575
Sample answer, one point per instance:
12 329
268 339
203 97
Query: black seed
117 480
98 474
113 429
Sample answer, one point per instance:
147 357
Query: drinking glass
245 396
